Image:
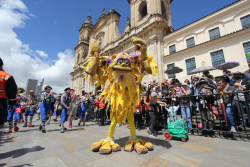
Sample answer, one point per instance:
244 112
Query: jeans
152 122
240 107
185 112
229 115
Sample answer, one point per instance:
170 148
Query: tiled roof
208 15
210 41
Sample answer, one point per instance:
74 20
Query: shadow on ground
20 152
154 141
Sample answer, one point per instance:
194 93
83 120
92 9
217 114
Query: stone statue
103 11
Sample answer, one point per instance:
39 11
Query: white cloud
42 53
22 62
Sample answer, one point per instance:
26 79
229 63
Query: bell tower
83 43
143 9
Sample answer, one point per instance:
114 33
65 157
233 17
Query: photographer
185 105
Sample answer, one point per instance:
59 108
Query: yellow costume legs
112 127
106 146
140 146
131 123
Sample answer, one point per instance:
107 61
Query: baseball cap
153 94
184 84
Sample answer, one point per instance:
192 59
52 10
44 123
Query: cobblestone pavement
30 147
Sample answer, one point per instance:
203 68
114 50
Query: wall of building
228 21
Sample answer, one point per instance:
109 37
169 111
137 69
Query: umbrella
228 65
173 70
248 55
202 69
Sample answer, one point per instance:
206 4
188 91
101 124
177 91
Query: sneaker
139 129
64 128
8 131
16 129
205 128
43 131
79 124
25 125
211 128
40 128
190 133
148 130
94 120
61 130
38 119
55 120
48 123
30 125
60 125
233 129
152 135
84 124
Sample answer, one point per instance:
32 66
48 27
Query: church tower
143 9
83 43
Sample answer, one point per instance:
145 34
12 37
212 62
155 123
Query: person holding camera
185 105
153 109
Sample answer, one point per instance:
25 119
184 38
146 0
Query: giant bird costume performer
120 76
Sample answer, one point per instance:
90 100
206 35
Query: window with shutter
190 42
245 21
214 33
247 50
191 65
217 58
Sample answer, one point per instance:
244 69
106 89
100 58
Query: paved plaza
30 147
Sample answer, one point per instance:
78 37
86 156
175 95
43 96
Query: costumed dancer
16 113
121 76
45 107
73 112
56 105
65 101
30 108
22 101
84 110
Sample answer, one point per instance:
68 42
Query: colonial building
216 38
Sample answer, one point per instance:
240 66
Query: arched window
163 11
143 10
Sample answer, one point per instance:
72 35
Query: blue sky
56 23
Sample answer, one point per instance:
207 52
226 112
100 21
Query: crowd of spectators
168 101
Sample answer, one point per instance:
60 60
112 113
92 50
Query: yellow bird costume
120 76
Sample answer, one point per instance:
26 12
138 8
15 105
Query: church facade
189 47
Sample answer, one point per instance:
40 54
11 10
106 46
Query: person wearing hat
185 105
45 107
65 101
30 108
8 91
240 99
153 109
